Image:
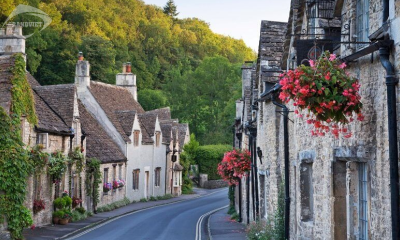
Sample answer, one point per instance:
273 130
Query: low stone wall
212 184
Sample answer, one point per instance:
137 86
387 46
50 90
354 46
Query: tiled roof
147 124
163 113
32 81
166 128
182 128
48 120
126 119
98 143
5 81
113 99
60 98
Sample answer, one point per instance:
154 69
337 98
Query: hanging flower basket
327 92
38 205
107 187
234 166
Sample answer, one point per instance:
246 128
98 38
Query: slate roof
163 113
5 81
166 128
112 100
60 98
147 124
98 143
126 119
48 120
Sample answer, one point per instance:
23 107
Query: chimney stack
11 40
127 79
82 73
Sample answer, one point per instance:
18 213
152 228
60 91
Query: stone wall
213 184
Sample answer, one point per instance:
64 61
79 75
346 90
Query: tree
152 99
170 9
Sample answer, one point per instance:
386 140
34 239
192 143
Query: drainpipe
240 201
391 83
256 178
252 175
247 198
285 112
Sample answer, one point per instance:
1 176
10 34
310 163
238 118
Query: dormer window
158 139
136 135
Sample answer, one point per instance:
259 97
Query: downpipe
391 83
252 176
285 112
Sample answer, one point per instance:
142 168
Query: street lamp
259 154
174 158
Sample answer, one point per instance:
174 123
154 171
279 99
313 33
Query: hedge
208 157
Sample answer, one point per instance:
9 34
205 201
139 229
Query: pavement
220 225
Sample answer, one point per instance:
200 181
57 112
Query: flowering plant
234 165
329 94
118 183
107 187
75 202
38 205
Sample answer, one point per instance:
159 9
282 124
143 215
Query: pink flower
328 76
332 57
312 63
343 65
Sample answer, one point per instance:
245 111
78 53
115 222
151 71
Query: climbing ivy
15 164
93 179
57 166
76 157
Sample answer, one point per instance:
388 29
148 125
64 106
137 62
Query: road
175 221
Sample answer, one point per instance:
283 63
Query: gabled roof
166 128
113 99
48 120
163 113
126 119
98 143
60 98
6 62
182 128
148 125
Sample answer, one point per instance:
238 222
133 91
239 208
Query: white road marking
127 214
200 221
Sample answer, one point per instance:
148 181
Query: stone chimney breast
82 73
11 40
127 79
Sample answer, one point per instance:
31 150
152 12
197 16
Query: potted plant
121 183
65 218
38 205
59 203
57 215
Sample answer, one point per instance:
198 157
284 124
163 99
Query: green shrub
59 203
77 216
235 216
58 214
165 197
80 209
208 157
68 201
143 200
114 205
153 198
260 231
231 210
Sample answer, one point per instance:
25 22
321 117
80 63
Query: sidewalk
221 227
62 231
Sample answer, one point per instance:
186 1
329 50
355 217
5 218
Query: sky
240 19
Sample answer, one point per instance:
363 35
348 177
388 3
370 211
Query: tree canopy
181 61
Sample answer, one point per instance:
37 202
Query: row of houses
334 188
101 121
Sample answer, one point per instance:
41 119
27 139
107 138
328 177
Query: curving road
175 221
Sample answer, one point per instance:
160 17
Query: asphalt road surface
171 222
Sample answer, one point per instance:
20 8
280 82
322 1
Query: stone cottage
58 127
339 188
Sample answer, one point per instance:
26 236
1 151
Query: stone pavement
62 231
221 227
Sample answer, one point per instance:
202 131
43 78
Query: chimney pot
124 68
128 67
80 56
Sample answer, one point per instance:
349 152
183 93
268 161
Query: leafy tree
170 9
152 99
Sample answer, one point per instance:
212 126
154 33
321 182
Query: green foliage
186 159
170 9
22 97
78 215
208 157
205 98
274 227
57 166
58 214
114 205
143 200
165 197
153 198
59 203
76 157
39 159
93 179
15 164
80 209
231 196
152 99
